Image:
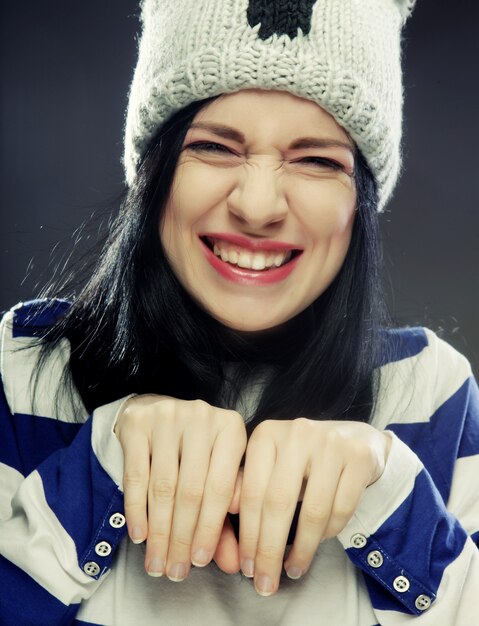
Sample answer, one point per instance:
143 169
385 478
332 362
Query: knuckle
342 512
191 492
251 496
167 410
261 431
158 537
133 479
166 406
269 553
315 514
222 489
332 436
277 500
236 419
249 537
301 425
200 407
180 542
211 527
162 490
333 529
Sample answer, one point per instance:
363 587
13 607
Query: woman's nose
258 199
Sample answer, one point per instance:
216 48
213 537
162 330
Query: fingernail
177 572
247 567
264 585
137 535
155 567
201 558
294 573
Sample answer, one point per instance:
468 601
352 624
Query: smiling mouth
261 261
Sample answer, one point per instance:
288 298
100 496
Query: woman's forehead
270 113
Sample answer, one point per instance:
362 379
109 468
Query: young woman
223 405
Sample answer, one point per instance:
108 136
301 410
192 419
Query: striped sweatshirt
408 555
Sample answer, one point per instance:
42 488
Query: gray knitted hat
344 55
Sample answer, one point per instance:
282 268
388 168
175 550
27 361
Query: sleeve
61 504
414 534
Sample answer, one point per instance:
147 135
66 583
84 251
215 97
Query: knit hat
345 55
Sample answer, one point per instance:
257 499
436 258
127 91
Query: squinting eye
208 146
322 162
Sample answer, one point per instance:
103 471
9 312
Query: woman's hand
332 462
181 461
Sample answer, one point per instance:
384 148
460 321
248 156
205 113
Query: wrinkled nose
258 200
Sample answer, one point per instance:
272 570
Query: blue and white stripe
61 498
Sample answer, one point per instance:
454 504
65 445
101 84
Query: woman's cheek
328 211
199 189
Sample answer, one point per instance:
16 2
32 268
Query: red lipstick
251 244
244 276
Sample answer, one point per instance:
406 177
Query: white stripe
18 369
464 497
430 378
105 443
10 481
33 539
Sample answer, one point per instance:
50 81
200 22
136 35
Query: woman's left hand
332 462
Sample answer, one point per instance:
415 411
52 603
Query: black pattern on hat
282 17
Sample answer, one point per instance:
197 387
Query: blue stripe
470 435
452 432
421 534
401 343
31 318
23 602
82 495
419 540
78 622
9 450
475 538
35 438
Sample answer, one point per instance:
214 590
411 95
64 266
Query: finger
226 555
195 460
161 499
279 507
260 458
352 483
235 502
315 512
136 453
218 494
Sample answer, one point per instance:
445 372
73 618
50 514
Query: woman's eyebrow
303 142
219 129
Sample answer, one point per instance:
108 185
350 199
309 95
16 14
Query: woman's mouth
258 260
251 268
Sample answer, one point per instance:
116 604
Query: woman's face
260 216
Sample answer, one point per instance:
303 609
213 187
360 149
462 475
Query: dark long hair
134 329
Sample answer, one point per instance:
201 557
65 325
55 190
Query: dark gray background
65 70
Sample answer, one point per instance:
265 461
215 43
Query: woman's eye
323 162
208 146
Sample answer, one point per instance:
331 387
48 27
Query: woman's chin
260 325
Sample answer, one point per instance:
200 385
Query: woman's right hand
181 462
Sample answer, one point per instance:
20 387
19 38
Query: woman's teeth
251 260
